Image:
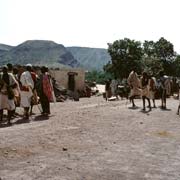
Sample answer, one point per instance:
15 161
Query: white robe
26 80
134 83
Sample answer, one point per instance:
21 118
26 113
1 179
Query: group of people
24 87
145 86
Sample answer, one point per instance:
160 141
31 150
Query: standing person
17 89
167 85
26 87
107 88
34 99
134 83
162 87
7 83
14 71
178 98
145 90
152 89
114 86
45 91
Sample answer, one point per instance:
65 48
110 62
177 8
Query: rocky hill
41 52
38 52
90 58
4 48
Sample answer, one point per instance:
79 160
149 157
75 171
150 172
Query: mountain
38 52
41 52
4 48
90 58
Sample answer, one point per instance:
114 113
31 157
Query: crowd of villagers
146 86
24 87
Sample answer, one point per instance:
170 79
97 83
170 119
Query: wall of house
61 77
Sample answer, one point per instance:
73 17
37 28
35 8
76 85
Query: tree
158 56
126 56
176 66
149 49
164 50
97 76
152 63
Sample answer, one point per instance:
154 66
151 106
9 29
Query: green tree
165 52
176 66
126 56
97 76
149 49
159 56
152 63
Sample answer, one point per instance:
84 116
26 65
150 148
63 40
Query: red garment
33 75
47 88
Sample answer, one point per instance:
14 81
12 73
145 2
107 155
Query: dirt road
93 140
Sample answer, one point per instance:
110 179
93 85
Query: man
114 86
45 91
108 88
162 80
14 71
145 90
27 86
7 83
152 89
134 84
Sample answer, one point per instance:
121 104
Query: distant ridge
90 58
5 47
39 52
44 52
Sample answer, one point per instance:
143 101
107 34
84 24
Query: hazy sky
89 23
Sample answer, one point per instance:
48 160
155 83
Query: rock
64 149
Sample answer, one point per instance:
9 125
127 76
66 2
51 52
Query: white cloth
26 80
113 85
6 103
134 83
152 88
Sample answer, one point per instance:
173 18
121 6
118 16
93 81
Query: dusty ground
93 140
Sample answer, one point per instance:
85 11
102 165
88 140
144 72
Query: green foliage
98 76
126 56
152 65
164 49
176 66
165 52
149 49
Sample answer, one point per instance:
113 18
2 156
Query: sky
89 23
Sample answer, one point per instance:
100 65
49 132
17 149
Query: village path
93 140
